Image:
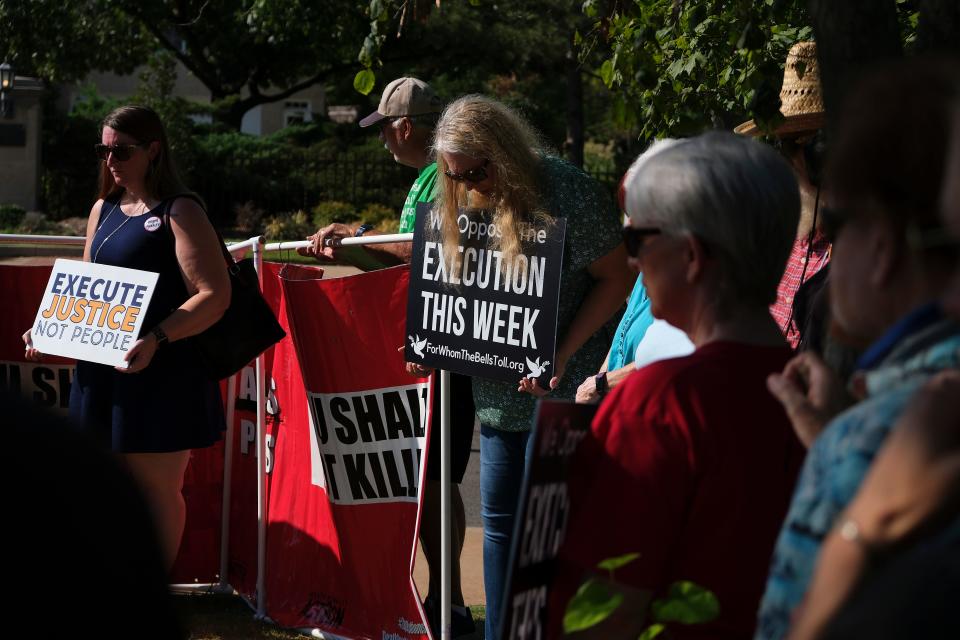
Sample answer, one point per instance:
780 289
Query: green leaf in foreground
612 564
364 81
592 604
653 631
687 603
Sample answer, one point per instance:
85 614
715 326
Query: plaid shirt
782 309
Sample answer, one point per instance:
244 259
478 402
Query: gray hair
736 194
426 121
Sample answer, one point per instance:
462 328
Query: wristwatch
362 229
161 337
601 383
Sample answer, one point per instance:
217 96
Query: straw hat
801 98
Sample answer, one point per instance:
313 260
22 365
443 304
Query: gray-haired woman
692 462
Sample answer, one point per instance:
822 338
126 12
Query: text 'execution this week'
478 310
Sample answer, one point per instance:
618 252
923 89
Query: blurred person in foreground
82 524
691 462
891 566
890 269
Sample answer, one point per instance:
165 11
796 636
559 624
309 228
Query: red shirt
692 465
782 309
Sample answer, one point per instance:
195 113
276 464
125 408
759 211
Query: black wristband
601 383
362 229
161 337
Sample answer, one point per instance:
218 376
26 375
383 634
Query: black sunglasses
633 238
121 152
477 174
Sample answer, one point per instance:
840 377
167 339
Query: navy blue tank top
141 242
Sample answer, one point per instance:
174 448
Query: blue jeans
503 459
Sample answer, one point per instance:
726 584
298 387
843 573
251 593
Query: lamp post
7 80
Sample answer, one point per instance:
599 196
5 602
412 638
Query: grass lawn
210 616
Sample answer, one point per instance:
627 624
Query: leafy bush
385 219
289 227
37 223
330 211
249 217
11 216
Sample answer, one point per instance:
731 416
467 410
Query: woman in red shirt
692 462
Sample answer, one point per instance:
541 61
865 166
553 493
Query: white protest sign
92 312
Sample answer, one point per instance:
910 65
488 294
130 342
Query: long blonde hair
483 128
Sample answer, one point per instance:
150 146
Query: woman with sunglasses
489 157
154 411
691 462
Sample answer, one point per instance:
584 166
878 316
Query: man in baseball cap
405 97
407 113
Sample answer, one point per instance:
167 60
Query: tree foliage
246 52
678 66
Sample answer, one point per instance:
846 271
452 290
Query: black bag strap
168 204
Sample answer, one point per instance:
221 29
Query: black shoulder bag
248 326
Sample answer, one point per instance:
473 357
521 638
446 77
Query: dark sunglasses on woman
633 238
477 174
120 152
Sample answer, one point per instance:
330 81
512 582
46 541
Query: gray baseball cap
405 97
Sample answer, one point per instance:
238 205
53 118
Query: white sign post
92 312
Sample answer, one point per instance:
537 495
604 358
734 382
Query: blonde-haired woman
489 157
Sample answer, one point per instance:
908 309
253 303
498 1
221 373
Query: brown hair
144 125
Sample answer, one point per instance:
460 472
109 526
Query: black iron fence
279 183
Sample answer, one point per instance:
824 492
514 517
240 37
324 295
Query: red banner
362 468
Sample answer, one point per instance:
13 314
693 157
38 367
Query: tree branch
206 75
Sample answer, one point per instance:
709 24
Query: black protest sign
478 313
542 517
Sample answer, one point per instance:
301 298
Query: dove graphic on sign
536 369
418 345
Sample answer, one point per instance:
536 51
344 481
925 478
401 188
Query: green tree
677 67
246 52
521 52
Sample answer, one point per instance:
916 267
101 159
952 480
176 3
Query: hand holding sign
140 354
93 312
31 353
529 384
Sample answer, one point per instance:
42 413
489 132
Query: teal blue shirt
636 320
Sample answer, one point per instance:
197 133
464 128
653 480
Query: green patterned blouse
593 230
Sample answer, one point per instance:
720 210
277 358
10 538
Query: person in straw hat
798 137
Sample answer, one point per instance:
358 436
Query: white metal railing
49 241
